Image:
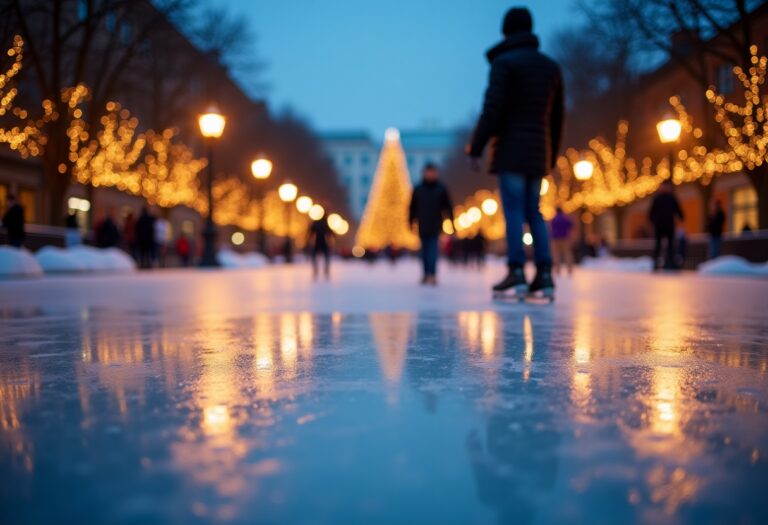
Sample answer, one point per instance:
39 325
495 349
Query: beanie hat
517 20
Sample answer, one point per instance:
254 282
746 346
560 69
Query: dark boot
543 284
515 279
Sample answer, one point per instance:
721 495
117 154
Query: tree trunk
706 191
759 179
56 183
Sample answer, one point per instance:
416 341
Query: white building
355 155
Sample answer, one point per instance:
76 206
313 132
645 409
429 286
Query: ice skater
430 205
523 118
13 221
319 238
664 213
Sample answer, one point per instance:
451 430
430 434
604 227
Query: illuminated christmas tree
385 220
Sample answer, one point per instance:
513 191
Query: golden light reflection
528 348
390 335
480 332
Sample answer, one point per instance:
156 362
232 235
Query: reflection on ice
516 413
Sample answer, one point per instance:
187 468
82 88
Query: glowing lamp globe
474 214
544 187
316 212
334 221
211 123
490 206
287 192
669 130
261 168
304 204
343 228
583 169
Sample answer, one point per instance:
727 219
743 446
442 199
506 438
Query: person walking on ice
522 118
430 205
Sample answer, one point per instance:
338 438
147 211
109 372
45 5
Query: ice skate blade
516 295
545 296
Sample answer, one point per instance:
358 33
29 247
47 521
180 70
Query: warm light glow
392 135
544 187
261 168
287 192
238 238
316 212
527 239
334 221
212 123
583 169
669 130
490 206
342 228
448 227
304 204
474 214
79 204
358 251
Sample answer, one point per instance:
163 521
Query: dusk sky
369 64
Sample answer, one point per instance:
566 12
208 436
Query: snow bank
231 259
15 262
618 264
84 259
732 265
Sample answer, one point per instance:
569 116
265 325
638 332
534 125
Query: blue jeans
520 201
715 245
429 254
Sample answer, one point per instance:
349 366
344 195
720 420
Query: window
364 159
743 208
111 20
724 79
348 160
3 197
127 33
364 180
188 228
29 202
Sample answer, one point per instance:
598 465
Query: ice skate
513 287
542 288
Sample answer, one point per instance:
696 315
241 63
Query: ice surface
619 264
259 396
733 265
15 262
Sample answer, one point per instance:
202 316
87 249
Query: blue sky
352 64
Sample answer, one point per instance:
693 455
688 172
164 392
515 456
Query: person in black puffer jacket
522 119
430 205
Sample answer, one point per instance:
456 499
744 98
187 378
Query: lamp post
669 131
211 124
287 192
582 171
261 168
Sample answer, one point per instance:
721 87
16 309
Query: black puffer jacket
430 205
523 109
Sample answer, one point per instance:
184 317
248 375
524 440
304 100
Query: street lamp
669 131
211 124
261 168
304 204
288 192
582 171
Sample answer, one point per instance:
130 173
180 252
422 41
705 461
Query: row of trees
82 57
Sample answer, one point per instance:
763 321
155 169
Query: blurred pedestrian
129 234
161 240
73 236
13 221
319 240
107 234
183 250
664 213
522 118
715 226
430 205
145 238
562 250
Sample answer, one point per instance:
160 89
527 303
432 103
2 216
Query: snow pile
84 259
15 262
231 259
732 265
618 264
